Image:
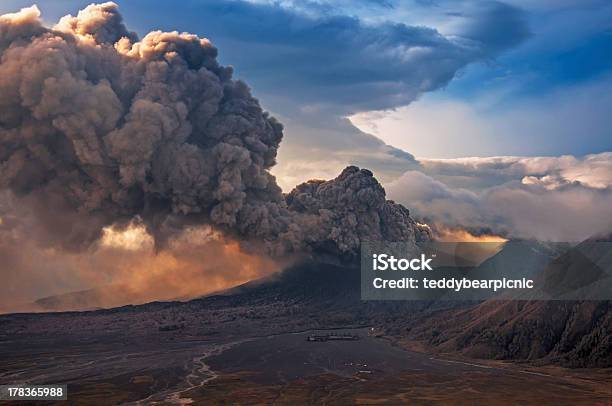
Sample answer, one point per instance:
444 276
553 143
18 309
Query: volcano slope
572 333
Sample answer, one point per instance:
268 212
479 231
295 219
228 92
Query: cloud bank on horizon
547 198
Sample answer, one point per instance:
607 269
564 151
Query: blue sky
548 95
436 79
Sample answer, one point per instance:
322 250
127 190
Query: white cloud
593 170
550 198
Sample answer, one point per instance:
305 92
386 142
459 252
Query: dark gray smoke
98 127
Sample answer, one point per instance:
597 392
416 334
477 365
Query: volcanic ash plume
98 127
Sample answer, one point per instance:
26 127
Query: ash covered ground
249 346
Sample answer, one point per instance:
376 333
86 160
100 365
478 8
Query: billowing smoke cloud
98 128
